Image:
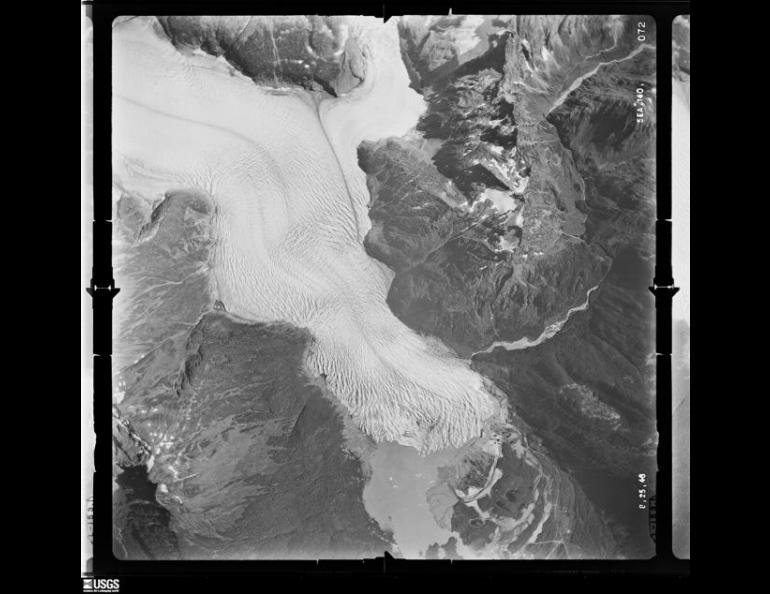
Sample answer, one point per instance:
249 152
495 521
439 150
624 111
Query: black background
146 575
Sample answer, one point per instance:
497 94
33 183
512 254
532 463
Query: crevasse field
291 216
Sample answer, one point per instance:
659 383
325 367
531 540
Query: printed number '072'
641 31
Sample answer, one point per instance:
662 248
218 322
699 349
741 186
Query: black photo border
103 290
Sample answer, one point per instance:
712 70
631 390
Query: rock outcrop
312 52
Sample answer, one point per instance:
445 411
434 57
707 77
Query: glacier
291 215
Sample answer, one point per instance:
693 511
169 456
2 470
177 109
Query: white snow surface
291 217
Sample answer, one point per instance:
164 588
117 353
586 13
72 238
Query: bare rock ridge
313 52
504 212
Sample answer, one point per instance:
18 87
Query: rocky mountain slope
247 455
313 52
530 182
493 246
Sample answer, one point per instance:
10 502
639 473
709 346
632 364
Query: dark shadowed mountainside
312 51
246 452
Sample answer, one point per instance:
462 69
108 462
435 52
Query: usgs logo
101 585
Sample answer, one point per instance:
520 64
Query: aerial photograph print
384 286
